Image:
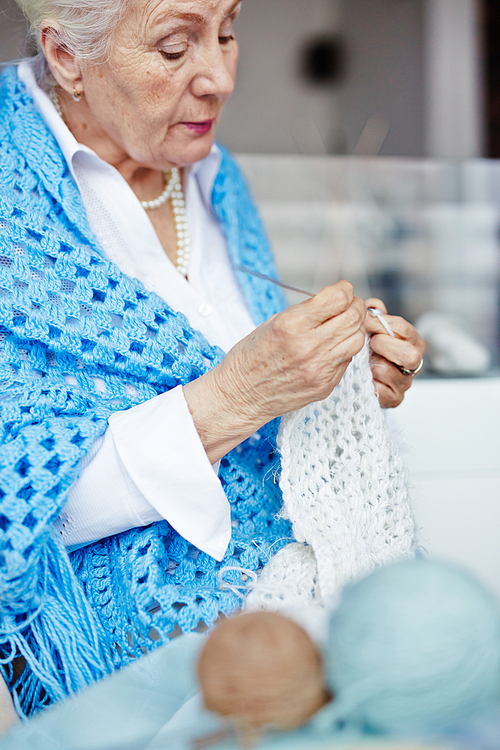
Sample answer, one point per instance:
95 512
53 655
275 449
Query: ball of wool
414 647
261 669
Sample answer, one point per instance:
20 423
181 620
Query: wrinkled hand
406 350
293 359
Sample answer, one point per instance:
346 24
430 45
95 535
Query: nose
216 72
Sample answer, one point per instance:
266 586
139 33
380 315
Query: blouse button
205 310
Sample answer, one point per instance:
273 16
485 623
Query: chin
192 149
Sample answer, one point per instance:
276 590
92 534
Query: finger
390 383
328 373
403 353
348 323
387 372
378 323
401 328
328 303
348 348
375 302
387 397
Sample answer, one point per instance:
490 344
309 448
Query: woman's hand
293 359
405 349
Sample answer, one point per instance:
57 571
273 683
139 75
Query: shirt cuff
160 448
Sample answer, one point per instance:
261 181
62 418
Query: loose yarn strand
61 660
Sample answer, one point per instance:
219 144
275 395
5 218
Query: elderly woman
121 225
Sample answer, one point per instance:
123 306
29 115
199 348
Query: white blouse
150 464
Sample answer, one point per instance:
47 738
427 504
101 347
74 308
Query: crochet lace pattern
66 313
345 490
70 322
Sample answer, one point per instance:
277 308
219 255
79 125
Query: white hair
87 28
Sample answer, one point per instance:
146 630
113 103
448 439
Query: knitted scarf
345 490
66 310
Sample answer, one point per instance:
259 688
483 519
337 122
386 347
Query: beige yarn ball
262 669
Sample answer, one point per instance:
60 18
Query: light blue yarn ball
414 647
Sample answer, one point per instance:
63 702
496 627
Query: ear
63 64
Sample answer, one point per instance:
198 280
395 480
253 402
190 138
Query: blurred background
370 131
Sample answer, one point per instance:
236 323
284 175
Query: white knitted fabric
345 490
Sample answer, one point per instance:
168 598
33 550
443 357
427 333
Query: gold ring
411 373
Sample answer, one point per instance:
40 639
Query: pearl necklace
165 195
172 191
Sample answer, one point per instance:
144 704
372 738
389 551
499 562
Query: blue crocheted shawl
65 309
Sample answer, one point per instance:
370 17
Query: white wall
453 91
384 73
414 65
272 109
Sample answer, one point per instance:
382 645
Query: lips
204 126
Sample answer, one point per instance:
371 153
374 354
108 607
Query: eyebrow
234 6
190 17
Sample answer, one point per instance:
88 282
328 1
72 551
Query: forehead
156 12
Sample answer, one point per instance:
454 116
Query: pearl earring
77 95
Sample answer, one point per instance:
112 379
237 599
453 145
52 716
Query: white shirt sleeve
149 465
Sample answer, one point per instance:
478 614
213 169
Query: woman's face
171 69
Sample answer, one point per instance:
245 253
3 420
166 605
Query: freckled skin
134 104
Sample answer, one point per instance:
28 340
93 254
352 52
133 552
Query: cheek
162 91
112 89
157 96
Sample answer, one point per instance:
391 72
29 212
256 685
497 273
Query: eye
173 49
173 55
226 33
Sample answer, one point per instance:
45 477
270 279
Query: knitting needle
243 269
374 311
